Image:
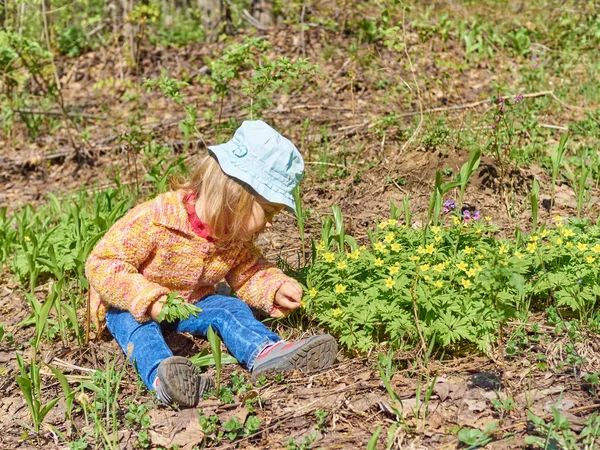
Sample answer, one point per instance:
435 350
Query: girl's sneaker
178 382
308 355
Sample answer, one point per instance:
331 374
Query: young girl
187 241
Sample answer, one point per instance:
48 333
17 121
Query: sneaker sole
182 382
317 353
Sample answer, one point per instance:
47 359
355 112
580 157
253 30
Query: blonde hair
228 203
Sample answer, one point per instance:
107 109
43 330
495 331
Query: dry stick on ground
354 128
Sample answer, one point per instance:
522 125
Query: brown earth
351 391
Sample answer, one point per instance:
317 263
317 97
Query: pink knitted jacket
153 251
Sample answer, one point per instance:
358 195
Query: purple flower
497 118
501 100
518 98
449 205
467 215
580 281
476 214
493 127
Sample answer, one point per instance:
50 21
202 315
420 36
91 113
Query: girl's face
262 215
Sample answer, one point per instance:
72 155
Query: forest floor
349 164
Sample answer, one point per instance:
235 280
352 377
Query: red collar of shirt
199 227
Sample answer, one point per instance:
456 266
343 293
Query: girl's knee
235 304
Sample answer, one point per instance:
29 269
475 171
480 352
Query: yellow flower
429 249
533 238
354 255
393 270
531 247
559 241
389 237
477 267
567 232
569 244
337 312
329 257
439 267
519 255
420 250
392 222
312 292
465 282
379 246
362 247
596 248
559 225
438 284
424 267
321 246
544 233
389 283
340 288
502 250
378 262
581 246
470 272
303 304
396 247
462 266
487 218
382 225
469 250
456 220
437 238
478 230
342 265
435 229
590 259
557 218
480 256
427 278
414 258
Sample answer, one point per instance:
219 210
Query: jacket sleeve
113 266
256 281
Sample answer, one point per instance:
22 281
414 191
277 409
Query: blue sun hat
263 159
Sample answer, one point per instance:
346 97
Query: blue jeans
144 344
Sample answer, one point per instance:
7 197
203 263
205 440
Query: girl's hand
155 308
289 295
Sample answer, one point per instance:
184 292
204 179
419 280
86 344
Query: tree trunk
262 10
211 12
114 11
3 7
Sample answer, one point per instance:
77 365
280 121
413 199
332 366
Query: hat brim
239 170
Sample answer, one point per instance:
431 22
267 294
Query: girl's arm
256 281
112 267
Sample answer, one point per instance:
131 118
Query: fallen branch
58 113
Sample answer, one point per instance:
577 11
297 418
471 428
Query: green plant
475 438
210 428
215 347
590 435
321 416
503 406
534 198
176 308
555 433
31 386
557 158
372 445
578 180
104 409
73 41
305 444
